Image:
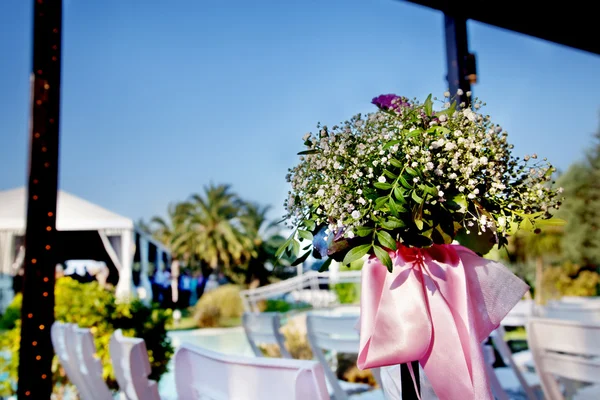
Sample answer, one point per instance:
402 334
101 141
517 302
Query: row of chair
565 349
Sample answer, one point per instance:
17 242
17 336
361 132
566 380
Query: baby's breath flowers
416 176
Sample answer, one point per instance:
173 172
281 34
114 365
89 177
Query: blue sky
161 99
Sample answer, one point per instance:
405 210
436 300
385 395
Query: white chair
89 365
525 380
264 328
66 353
77 354
201 374
132 367
588 312
336 333
566 349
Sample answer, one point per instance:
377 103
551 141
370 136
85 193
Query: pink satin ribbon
436 306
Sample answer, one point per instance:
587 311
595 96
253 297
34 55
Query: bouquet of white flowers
417 176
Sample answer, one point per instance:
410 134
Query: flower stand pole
411 390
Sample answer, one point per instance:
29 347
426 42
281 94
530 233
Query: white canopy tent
118 235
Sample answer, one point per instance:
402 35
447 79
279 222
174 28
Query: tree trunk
539 280
175 282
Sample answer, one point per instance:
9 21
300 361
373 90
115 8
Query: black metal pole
461 63
37 313
406 382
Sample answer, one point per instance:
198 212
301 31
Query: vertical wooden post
461 64
37 313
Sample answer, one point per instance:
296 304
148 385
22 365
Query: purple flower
390 102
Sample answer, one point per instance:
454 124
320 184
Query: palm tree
261 240
172 232
213 229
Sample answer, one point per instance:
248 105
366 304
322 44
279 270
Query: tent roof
572 24
73 213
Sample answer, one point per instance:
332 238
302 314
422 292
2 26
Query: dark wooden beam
458 56
572 24
37 313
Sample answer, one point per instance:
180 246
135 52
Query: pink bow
436 306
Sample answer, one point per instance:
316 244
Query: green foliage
280 306
347 293
217 305
218 229
581 209
570 280
91 306
12 313
408 174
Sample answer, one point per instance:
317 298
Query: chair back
264 328
336 333
89 365
565 349
202 374
581 312
132 367
63 343
520 314
497 337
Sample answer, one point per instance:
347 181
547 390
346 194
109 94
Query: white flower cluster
413 171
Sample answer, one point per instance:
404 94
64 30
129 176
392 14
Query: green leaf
309 224
313 151
392 207
526 224
386 240
391 143
412 171
301 259
389 174
419 224
461 200
428 105
356 253
415 133
305 234
399 194
429 189
284 246
396 163
382 185
444 237
295 247
363 231
416 197
380 202
325 266
550 222
404 182
400 207
384 257
392 223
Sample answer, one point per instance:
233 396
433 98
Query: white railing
307 284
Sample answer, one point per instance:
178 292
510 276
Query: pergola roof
572 24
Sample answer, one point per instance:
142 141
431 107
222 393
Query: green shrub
226 299
281 306
570 280
91 306
347 293
12 313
